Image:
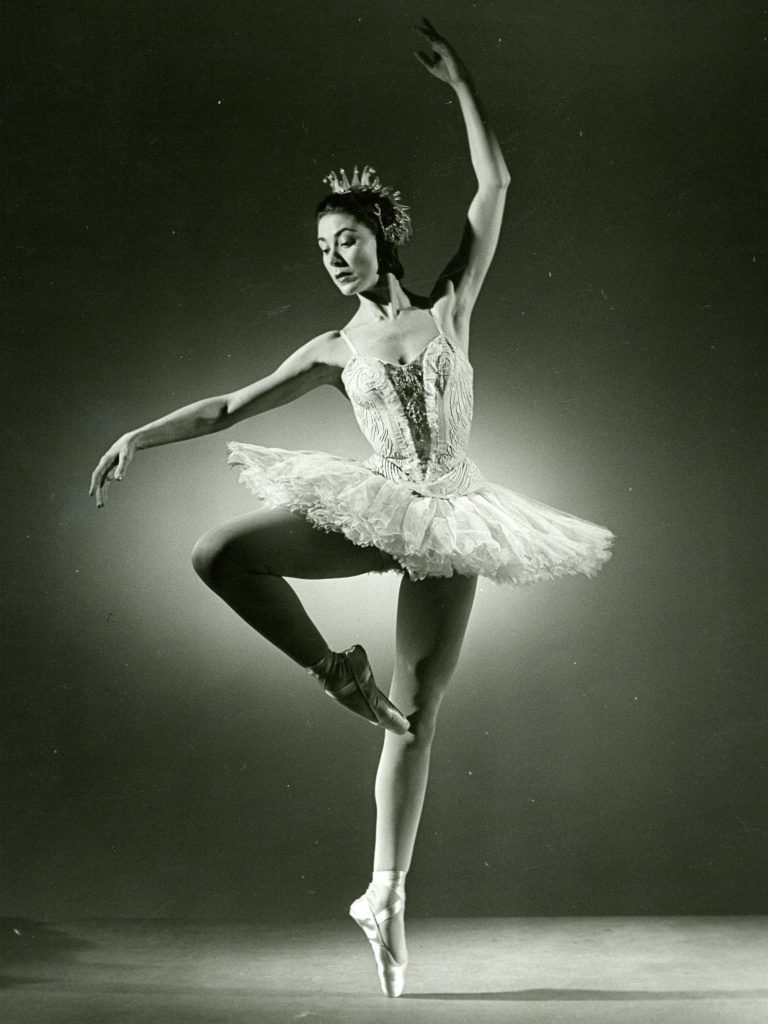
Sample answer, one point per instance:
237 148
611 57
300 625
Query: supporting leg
432 618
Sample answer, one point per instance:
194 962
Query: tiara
399 230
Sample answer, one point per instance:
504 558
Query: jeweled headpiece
399 230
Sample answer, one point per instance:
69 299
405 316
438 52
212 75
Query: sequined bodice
417 416
408 383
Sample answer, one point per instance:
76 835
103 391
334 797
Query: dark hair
361 205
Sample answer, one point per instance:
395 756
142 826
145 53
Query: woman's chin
354 285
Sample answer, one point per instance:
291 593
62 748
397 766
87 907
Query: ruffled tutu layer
491 532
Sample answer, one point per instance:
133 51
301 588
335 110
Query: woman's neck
385 300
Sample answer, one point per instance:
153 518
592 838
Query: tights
244 562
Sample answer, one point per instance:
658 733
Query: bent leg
244 560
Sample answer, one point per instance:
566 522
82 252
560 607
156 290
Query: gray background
602 749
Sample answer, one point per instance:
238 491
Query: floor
623 970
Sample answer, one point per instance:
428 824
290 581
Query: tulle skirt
491 532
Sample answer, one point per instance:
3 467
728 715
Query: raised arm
469 265
305 369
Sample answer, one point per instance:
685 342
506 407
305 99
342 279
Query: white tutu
491 531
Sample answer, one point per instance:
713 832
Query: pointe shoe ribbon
347 678
391 971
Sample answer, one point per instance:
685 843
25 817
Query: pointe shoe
348 679
391 971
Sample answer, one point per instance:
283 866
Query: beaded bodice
417 416
408 383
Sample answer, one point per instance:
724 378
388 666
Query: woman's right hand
112 466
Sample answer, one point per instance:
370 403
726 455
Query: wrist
133 437
463 84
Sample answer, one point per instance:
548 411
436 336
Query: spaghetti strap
345 336
437 322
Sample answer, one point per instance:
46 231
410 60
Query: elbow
496 183
218 414
503 177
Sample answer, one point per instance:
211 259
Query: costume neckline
418 358
390 362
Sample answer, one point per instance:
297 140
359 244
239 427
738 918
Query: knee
204 555
424 717
423 689
423 725
213 557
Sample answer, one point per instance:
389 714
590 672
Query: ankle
390 879
323 666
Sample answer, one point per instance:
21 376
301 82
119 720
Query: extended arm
468 267
304 370
484 150
300 373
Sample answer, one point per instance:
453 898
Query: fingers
103 486
122 463
426 26
429 30
96 484
98 473
426 59
101 492
106 471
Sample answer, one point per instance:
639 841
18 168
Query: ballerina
417 506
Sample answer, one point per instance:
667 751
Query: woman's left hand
443 62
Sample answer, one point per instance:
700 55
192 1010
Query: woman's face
349 252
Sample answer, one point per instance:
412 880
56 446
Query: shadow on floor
24 942
564 995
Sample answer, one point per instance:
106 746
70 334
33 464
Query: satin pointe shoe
348 679
391 971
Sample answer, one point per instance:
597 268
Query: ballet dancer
417 506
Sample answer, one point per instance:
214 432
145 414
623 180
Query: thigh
283 543
432 617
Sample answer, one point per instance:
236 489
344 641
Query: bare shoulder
448 313
327 353
319 358
326 348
